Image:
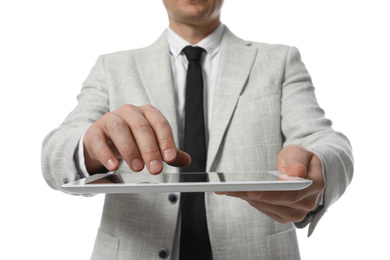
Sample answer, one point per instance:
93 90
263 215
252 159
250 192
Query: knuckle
300 216
322 185
296 216
295 198
129 107
307 204
310 206
95 137
165 142
129 151
141 126
310 203
148 108
255 203
108 116
162 123
150 151
163 126
104 155
116 125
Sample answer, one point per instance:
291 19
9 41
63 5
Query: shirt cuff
80 159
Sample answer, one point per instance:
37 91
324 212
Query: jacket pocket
283 245
106 247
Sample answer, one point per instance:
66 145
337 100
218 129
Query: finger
299 200
144 137
162 131
259 206
283 214
237 194
280 198
293 160
273 216
182 159
123 142
97 152
277 197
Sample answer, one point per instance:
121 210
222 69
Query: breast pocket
254 92
259 106
253 138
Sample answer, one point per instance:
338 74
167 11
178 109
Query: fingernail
155 166
137 164
169 155
111 165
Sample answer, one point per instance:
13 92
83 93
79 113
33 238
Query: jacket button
172 198
163 253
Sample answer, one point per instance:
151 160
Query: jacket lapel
237 57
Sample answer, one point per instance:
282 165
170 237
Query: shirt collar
211 43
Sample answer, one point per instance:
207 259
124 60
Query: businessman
201 99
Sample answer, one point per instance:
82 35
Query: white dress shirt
179 62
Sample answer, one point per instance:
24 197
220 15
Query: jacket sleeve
59 145
304 123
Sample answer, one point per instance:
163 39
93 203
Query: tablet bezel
277 182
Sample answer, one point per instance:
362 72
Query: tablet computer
170 182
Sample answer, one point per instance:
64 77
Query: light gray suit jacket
264 101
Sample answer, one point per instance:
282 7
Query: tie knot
193 53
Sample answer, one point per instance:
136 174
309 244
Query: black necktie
194 239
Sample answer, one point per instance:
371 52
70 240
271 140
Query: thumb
182 159
293 160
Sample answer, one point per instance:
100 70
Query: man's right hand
139 135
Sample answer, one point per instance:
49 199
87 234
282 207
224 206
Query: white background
47 49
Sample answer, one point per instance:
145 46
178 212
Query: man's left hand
290 206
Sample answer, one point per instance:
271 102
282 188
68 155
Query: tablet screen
231 177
